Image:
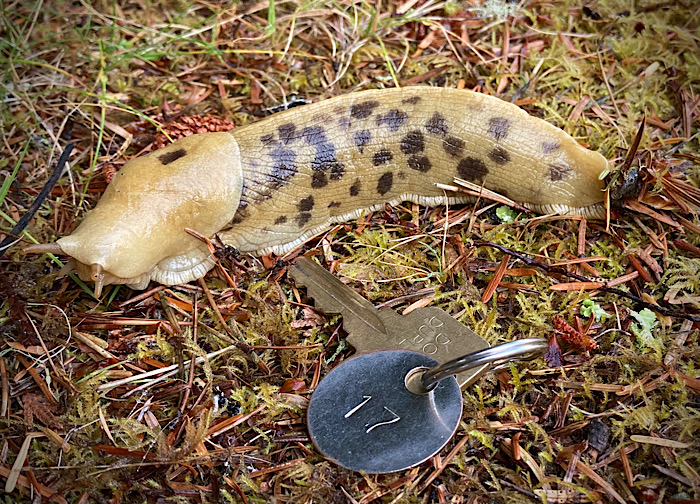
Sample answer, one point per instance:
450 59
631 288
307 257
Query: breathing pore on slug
270 185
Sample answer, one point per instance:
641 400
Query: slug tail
596 211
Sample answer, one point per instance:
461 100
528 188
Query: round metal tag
363 417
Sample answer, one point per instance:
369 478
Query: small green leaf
591 308
506 214
647 321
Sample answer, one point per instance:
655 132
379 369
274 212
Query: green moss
69 72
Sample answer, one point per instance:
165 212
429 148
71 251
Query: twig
635 146
170 369
13 236
561 271
519 489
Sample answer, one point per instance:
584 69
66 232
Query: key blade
333 296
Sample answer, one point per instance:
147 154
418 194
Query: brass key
429 330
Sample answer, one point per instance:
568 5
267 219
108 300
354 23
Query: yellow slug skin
330 161
138 224
270 185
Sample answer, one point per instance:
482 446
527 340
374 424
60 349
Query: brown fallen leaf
553 356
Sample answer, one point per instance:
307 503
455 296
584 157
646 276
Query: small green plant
592 309
506 214
647 321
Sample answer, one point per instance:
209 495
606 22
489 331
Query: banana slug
270 185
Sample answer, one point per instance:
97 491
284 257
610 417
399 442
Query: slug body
270 185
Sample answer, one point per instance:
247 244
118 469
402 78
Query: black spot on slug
385 182
171 156
281 219
549 147
303 218
283 156
334 204
499 156
268 139
382 157
362 139
287 133
307 204
472 169
314 135
411 99
498 127
420 163
325 159
557 172
283 168
355 188
344 123
364 109
322 118
453 146
394 119
413 142
337 171
318 180
436 124
242 213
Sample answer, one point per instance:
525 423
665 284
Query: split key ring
422 380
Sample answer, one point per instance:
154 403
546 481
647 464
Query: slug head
140 220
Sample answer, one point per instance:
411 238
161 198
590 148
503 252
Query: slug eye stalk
98 277
96 271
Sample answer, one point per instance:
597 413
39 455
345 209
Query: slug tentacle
98 277
271 185
43 248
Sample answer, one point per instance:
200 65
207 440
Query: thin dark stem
14 234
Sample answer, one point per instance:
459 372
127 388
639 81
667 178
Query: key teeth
321 302
359 343
351 321
334 297
313 292
302 278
